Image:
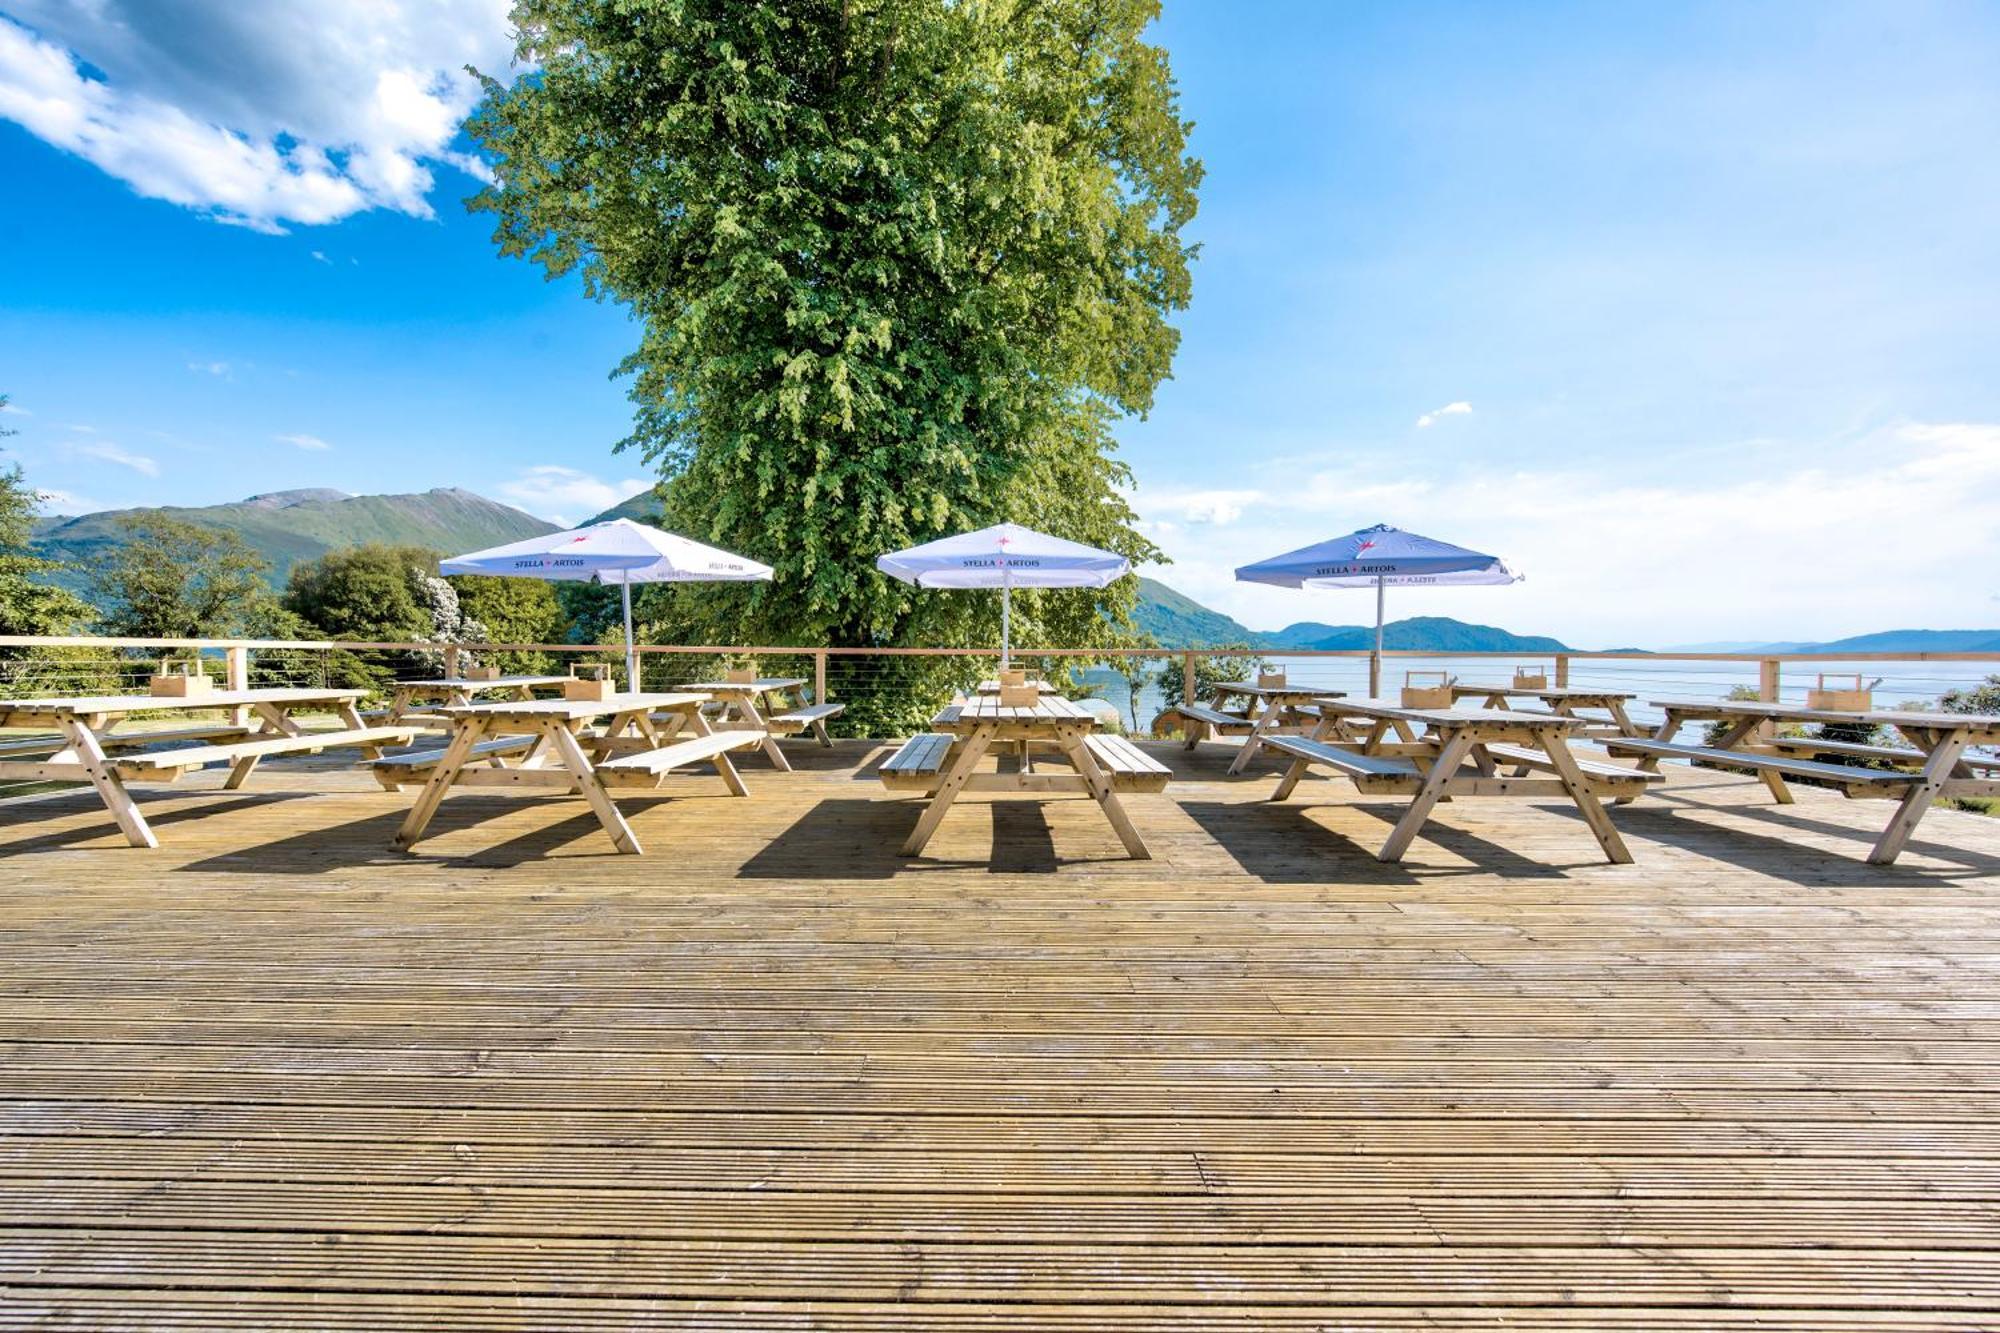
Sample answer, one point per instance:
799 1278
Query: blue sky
1687 310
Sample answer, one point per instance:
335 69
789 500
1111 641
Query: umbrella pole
1375 660
631 653
1006 609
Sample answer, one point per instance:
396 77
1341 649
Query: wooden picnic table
1273 710
1562 700
539 744
740 710
1937 764
943 762
87 740
456 691
1438 753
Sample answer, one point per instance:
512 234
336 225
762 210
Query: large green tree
900 265
27 604
168 578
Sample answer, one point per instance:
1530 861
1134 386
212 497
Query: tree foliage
364 594
27 604
513 611
900 266
168 578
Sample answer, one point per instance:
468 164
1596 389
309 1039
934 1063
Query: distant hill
645 507
1180 621
286 527
1884 641
1439 634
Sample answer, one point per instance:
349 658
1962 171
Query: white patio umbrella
1379 557
619 552
1005 556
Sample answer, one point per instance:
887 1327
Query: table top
467 683
570 710
1050 708
149 703
762 685
1550 692
1887 717
1392 710
1276 691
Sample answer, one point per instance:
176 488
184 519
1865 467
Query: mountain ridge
287 527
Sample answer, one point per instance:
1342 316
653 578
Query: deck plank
272 1076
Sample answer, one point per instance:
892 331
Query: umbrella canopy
1005 556
1378 558
616 552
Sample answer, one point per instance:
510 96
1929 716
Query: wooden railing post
451 662
236 676
1768 690
819 677
1187 678
1562 671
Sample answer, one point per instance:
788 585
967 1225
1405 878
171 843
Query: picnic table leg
1266 722
1099 782
1290 781
276 722
746 707
948 790
1773 781
1910 810
1556 747
724 767
1670 727
110 787
578 763
1623 719
463 738
1449 757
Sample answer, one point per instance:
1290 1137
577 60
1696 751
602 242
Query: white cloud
104 451
219 369
564 495
320 255
1895 529
11 410
282 111
1196 506
1460 409
311 443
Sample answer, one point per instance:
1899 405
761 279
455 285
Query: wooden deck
273 1075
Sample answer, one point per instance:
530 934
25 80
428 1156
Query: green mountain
1884 641
1182 622
644 507
286 527
1914 641
1435 634
1176 620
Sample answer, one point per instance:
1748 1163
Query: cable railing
889 691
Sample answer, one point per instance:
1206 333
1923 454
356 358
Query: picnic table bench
1442 753
943 763
90 750
1269 710
540 744
736 706
1939 742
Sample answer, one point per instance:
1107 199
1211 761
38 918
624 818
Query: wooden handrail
328 645
343 645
